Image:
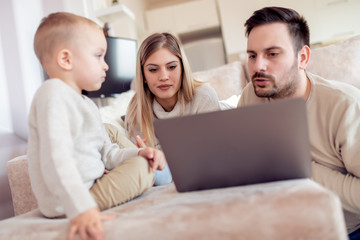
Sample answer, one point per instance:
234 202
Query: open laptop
248 145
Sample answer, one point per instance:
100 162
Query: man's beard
287 90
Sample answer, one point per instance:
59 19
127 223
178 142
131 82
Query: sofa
294 209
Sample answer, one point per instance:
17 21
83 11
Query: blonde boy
69 150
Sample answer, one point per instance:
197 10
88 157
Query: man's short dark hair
297 25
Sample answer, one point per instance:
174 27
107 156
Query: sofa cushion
227 80
339 61
294 209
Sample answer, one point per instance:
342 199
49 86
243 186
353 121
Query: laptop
248 145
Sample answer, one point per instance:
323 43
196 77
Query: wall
20 71
328 20
17 61
137 7
5 119
122 25
153 4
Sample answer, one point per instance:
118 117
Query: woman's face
162 72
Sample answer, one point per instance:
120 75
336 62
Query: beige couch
284 210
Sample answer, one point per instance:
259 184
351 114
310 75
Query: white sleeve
113 155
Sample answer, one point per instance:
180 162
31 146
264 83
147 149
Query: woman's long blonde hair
140 107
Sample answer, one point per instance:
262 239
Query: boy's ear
304 57
64 59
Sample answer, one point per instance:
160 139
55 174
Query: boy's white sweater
68 149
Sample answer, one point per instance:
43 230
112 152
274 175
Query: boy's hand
88 225
155 157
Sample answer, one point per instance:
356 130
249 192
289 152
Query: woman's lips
164 87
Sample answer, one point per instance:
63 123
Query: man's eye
252 56
273 54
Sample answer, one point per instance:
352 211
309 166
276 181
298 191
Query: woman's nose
164 75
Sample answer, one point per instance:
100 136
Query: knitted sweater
333 112
68 149
204 100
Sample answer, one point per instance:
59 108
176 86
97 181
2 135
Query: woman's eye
152 69
172 67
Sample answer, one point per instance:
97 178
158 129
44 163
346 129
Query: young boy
69 150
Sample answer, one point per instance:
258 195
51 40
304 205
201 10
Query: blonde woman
164 89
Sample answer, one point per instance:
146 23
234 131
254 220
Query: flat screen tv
121 58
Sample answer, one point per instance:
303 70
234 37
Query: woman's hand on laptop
155 157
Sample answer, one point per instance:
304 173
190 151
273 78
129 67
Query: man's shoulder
333 87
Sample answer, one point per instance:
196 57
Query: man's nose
260 64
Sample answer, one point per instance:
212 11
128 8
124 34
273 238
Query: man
278 51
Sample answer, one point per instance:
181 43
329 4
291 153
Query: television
121 58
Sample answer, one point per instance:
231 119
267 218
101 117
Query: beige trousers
117 136
126 181
123 183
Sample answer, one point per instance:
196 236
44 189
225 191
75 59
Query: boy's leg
123 183
118 136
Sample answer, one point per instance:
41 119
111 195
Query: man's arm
346 186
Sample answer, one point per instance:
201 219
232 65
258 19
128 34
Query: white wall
16 32
328 19
122 25
20 71
5 119
137 7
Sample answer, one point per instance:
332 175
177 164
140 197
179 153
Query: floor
10 146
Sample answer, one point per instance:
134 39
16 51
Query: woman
164 89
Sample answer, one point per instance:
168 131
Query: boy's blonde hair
57 30
140 107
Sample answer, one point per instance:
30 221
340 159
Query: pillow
227 80
112 113
339 61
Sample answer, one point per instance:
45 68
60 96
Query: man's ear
64 59
304 57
